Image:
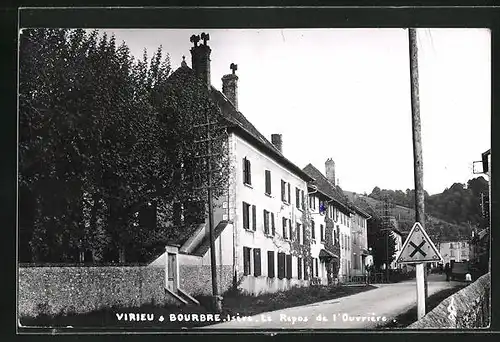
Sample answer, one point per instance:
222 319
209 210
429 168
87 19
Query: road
365 310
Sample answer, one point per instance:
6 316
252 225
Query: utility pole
217 305
418 167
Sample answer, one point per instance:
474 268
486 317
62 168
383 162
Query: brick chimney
330 170
277 141
200 57
230 85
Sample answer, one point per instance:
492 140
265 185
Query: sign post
419 249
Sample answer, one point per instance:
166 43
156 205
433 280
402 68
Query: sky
345 94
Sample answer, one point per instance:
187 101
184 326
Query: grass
405 319
235 303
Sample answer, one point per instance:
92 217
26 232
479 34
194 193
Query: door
172 272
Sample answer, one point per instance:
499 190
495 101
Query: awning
324 254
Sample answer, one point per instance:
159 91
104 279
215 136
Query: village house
457 250
359 237
341 215
262 239
398 238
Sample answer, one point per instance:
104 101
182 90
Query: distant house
398 237
457 250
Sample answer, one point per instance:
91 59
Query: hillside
438 229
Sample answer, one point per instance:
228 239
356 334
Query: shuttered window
256 262
313 230
299 234
268 182
246 215
322 232
247 173
246 260
289 266
285 235
303 200
299 268
270 264
297 197
290 230
289 193
281 265
283 190
254 218
317 266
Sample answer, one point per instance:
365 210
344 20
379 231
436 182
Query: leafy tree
102 137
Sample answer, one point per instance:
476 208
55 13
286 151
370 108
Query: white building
262 235
457 250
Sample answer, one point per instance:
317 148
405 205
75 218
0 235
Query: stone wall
469 308
57 290
197 279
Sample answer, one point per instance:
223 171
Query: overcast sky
345 94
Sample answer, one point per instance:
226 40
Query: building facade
454 250
359 238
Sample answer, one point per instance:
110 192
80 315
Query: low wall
54 290
466 309
197 279
263 284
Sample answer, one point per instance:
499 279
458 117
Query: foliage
381 240
102 137
449 215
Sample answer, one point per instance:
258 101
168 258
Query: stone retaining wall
469 308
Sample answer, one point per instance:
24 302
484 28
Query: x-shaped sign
417 249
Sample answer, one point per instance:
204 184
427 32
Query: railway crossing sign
418 248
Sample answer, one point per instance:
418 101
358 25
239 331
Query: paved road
365 310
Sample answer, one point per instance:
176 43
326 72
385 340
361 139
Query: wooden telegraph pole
418 167
217 305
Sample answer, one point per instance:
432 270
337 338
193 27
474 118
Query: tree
381 241
102 136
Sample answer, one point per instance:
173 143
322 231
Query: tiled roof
324 186
238 121
205 243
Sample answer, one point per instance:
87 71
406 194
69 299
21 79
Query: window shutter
245 178
322 233
254 218
284 228
246 260
313 230
256 261
270 264
273 228
299 235
303 199
289 199
266 222
249 172
245 216
289 266
268 182
282 190
281 265
299 268
317 266
297 197
303 234
290 230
